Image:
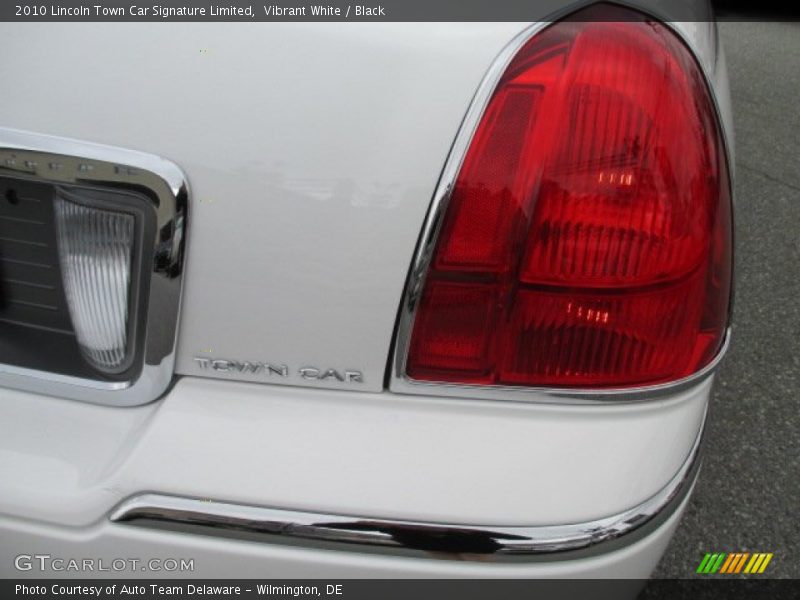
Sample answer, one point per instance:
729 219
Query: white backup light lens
95 247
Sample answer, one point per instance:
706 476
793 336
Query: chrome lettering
224 365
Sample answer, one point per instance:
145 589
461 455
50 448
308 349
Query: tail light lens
587 238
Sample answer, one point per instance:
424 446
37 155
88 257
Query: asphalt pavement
748 494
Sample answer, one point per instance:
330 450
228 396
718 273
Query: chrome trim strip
415 536
61 160
398 381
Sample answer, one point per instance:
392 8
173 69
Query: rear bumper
212 556
555 491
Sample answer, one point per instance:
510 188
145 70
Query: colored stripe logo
734 562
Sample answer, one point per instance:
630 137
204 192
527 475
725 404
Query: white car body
312 153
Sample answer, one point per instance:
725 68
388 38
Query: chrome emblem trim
225 365
234 366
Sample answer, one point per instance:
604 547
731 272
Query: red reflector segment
487 203
587 239
458 321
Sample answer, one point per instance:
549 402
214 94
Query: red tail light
587 239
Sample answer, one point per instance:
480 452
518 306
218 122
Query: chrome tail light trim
397 379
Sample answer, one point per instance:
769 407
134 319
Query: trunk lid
312 152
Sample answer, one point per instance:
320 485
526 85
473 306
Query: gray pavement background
748 494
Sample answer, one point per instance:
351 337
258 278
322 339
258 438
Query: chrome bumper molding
433 540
